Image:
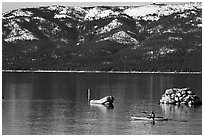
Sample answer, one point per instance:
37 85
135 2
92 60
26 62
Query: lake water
56 103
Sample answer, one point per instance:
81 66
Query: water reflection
103 108
181 113
56 103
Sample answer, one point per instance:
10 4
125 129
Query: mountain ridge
104 38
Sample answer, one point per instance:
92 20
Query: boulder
180 96
169 91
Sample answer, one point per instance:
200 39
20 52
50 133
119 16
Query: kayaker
151 115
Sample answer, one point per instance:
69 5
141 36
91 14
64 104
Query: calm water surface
56 103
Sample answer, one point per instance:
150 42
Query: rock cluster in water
180 96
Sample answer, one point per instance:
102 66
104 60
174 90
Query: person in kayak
151 115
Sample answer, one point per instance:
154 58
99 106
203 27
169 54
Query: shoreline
111 72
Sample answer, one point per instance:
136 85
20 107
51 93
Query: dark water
56 103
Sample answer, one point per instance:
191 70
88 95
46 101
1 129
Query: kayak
150 119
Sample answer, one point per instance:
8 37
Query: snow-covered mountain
103 37
154 11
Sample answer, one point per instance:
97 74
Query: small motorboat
150 119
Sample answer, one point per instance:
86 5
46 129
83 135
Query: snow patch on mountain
40 19
22 13
97 13
18 33
27 19
52 29
18 13
175 39
160 53
153 12
58 16
111 26
54 8
165 50
63 12
121 37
